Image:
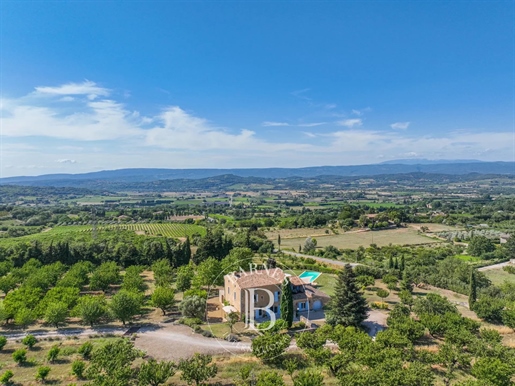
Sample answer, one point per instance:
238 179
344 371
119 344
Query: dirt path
174 342
494 266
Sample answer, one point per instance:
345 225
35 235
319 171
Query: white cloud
272 124
66 161
400 125
350 123
312 124
108 135
91 89
360 112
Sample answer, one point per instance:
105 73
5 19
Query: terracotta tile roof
295 280
259 278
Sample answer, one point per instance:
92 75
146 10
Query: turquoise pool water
309 276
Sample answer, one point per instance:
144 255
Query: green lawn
499 276
468 258
325 282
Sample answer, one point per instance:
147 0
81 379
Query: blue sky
90 85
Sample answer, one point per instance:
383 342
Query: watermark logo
253 313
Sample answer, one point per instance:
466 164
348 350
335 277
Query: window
276 296
234 295
228 290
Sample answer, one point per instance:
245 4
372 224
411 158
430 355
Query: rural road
173 342
494 266
321 259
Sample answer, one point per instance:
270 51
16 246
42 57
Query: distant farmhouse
264 284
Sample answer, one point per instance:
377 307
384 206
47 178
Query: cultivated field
166 229
353 240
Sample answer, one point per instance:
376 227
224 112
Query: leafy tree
490 309
270 346
508 315
3 342
193 307
91 309
78 368
125 305
56 313
132 280
42 373
452 358
287 303
53 353
24 317
238 258
65 295
155 373
308 377
232 319
480 245
20 356
433 304
111 364
382 293
493 370
365 280
348 306
106 274
163 298
6 377
406 298
21 298
197 369
184 277
29 341
8 283
270 378
209 273
163 272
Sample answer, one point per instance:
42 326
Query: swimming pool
309 276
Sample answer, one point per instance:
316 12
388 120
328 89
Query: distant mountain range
424 161
457 167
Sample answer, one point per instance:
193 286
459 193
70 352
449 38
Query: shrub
42 373
3 342
20 356
5 378
379 305
67 351
86 349
207 334
29 341
53 353
78 368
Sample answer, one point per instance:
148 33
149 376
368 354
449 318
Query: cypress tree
279 241
473 289
287 302
390 262
396 264
403 263
186 252
348 305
